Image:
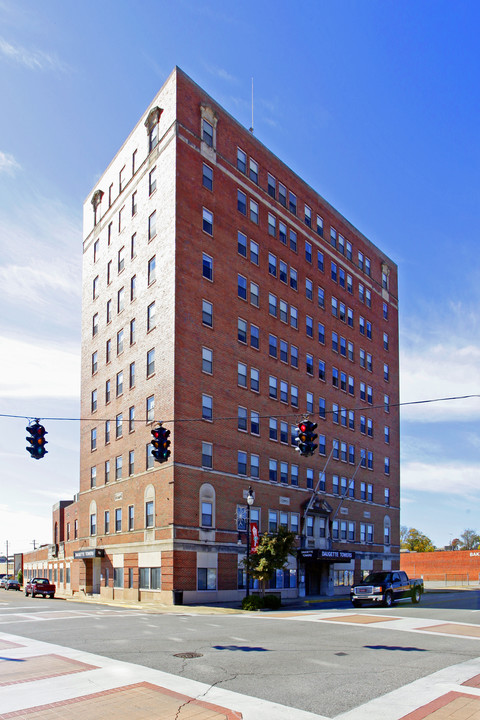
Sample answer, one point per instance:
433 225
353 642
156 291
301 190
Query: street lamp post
250 500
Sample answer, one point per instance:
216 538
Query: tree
469 539
455 544
272 554
415 540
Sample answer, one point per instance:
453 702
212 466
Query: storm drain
188 655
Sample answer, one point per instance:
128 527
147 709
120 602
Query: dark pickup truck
385 588
40 586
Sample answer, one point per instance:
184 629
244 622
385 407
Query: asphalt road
301 658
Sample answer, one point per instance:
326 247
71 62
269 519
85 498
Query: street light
250 499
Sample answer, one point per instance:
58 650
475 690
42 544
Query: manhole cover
189 655
341 653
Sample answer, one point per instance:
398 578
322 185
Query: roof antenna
251 129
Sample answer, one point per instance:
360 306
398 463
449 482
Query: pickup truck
40 586
386 587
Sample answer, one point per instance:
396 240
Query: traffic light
37 441
160 443
306 437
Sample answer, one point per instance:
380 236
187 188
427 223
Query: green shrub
252 602
272 602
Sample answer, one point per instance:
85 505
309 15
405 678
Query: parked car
40 586
386 587
12 584
4 581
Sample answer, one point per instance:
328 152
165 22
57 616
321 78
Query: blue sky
374 103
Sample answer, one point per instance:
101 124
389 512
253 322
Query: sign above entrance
88 553
336 556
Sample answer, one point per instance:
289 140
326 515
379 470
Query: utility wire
235 417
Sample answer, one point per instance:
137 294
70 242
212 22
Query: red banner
253 537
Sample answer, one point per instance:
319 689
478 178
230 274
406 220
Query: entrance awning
334 556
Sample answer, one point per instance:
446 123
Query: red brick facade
442 565
291 284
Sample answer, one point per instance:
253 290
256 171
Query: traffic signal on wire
36 438
160 443
306 437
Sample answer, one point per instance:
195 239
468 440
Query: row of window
149 519
279 429
288 393
278 191
284 472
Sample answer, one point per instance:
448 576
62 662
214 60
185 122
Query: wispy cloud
31 59
444 478
29 369
8 164
441 359
220 73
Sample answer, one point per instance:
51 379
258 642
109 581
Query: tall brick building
226 298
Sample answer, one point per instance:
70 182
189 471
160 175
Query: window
93 404
385 341
254 423
272 225
242 330
94 362
253 171
254 294
93 523
242 374
272 470
107 432
273 429
294 317
284 351
95 287
241 202
119 387
309 326
284 432
254 211
272 346
152 225
360 260
133 250
132 375
293 278
207 177
385 311
387 496
310 402
254 466
150 408
151 270
241 160
308 289
341 244
386 403
253 252
207 133
118 467
131 419
118 519
207 407
131 517
207 360
254 380
241 244
206 578
242 287
386 434
294 396
242 462
272 264
293 240
207 454
321 370
207 267
294 356
273 387
119 426
284 479
109 311
207 225
132 331
292 203
271 186
120 300
207 313
321 297
309 364
387 466
284 391
333 237
151 316
349 252
149 514
150 362
150 460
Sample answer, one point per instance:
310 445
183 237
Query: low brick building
223 296
443 566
